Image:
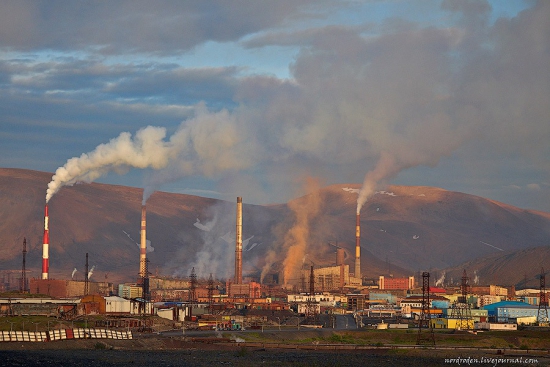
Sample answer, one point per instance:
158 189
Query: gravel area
165 352
85 358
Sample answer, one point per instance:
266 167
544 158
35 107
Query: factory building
443 323
168 283
324 299
237 290
357 302
395 283
383 297
509 311
36 306
330 278
495 326
68 288
412 306
479 315
487 299
130 291
494 290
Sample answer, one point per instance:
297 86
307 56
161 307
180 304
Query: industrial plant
320 297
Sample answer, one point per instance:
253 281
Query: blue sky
248 98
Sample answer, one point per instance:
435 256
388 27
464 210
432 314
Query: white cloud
533 186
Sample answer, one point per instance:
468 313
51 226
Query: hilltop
404 230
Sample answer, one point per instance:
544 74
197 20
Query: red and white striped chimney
357 247
143 244
45 246
239 243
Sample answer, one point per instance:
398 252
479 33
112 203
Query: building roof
509 304
419 299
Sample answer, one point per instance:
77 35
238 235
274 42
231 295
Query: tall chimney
357 247
45 246
239 243
340 256
143 245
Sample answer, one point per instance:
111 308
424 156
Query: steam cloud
147 149
217 248
439 282
206 144
91 272
379 104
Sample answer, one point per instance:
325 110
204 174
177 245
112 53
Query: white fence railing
63 334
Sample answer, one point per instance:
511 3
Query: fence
63 334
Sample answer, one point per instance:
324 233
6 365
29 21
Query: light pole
279 319
11 325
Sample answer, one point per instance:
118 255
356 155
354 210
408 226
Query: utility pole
23 287
425 315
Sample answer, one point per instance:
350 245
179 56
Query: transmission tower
210 289
86 280
311 311
146 293
460 310
427 336
542 314
23 287
193 286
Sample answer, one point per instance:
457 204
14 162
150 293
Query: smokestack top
46 210
239 199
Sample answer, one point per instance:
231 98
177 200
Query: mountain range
404 230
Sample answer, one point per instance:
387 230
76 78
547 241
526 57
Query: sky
252 98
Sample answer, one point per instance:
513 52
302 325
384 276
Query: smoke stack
45 246
143 245
239 243
357 247
340 256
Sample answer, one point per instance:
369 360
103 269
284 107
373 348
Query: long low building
60 288
506 311
37 306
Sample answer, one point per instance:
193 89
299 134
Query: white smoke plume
404 96
476 278
147 149
91 272
72 274
439 282
148 246
209 143
385 169
206 145
216 252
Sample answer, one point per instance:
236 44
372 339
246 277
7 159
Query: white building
115 304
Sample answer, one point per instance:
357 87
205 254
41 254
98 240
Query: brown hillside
521 268
404 229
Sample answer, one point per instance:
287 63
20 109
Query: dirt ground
164 352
